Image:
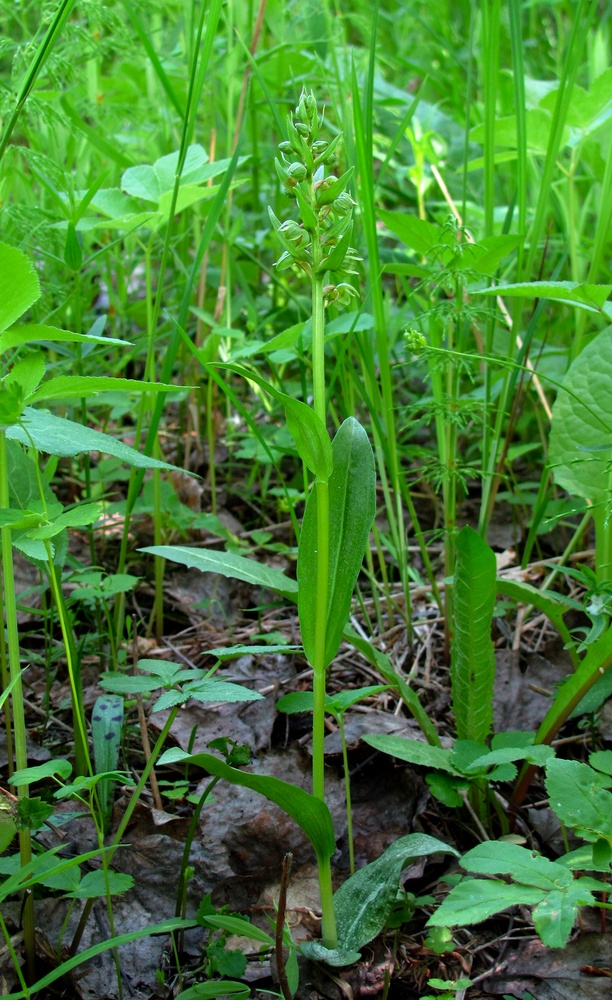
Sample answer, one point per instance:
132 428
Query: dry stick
280 927
240 113
247 73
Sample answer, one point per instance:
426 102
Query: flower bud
292 232
415 341
343 203
285 147
310 102
302 129
296 171
319 147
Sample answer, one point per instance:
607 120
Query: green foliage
180 684
467 762
473 659
227 564
364 902
548 886
308 812
152 251
352 505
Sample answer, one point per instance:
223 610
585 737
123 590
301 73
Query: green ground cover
312 297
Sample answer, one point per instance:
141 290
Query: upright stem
319 665
19 730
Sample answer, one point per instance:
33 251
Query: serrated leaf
28 775
93 885
589 297
475 899
578 798
538 755
473 655
226 564
419 235
219 691
555 916
486 256
582 414
26 374
296 701
495 857
120 683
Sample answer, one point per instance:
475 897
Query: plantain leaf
473 657
363 903
106 725
352 506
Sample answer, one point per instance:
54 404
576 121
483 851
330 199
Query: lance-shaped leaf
19 284
227 564
306 428
473 657
589 297
352 506
310 813
77 386
58 436
32 333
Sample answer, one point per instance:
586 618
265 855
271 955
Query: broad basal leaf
363 903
